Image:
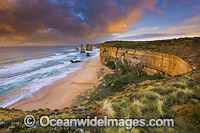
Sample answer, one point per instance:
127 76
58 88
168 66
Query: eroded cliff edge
168 63
154 62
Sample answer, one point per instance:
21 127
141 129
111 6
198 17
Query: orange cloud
6 28
12 38
47 20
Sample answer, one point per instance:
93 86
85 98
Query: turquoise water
25 70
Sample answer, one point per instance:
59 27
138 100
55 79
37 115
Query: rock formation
154 62
77 48
88 54
82 48
89 47
75 61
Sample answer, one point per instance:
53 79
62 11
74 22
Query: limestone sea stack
82 48
89 47
77 48
87 54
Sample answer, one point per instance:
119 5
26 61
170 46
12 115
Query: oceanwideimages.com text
45 121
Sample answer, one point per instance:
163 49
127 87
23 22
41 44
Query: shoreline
62 92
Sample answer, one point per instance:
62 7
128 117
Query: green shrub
178 97
164 91
181 125
153 109
179 85
119 130
195 115
151 96
34 111
41 109
191 84
194 101
111 64
127 110
158 130
42 114
17 126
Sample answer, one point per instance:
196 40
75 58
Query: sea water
25 70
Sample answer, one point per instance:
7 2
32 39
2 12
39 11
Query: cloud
158 9
181 3
64 21
152 28
186 1
196 6
164 4
152 36
190 27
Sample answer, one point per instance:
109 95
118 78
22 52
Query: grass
178 97
119 130
145 45
195 115
179 85
114 83
156 102
164 91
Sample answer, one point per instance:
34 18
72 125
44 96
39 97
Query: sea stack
87 54
89 47
77 48
82 48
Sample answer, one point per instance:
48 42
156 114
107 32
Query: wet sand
62 92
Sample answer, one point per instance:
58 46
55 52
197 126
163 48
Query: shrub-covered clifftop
168 57
186 48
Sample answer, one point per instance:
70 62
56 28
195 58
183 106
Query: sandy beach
62 92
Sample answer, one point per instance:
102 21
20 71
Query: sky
72 22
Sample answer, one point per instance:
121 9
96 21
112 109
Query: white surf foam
35 86
30 64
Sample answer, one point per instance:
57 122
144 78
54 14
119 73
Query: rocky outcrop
75 61
82 48
77 48
154 62
89 47
87 54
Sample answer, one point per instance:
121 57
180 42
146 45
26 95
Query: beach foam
21 80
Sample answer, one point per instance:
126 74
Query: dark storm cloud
67 20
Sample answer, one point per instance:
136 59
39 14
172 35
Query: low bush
164 91
179 85
195 115
111 64
178 97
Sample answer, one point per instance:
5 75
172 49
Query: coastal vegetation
129 92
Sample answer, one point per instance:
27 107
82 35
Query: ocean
25 70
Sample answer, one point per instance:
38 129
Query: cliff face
154 62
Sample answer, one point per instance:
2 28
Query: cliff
165 62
